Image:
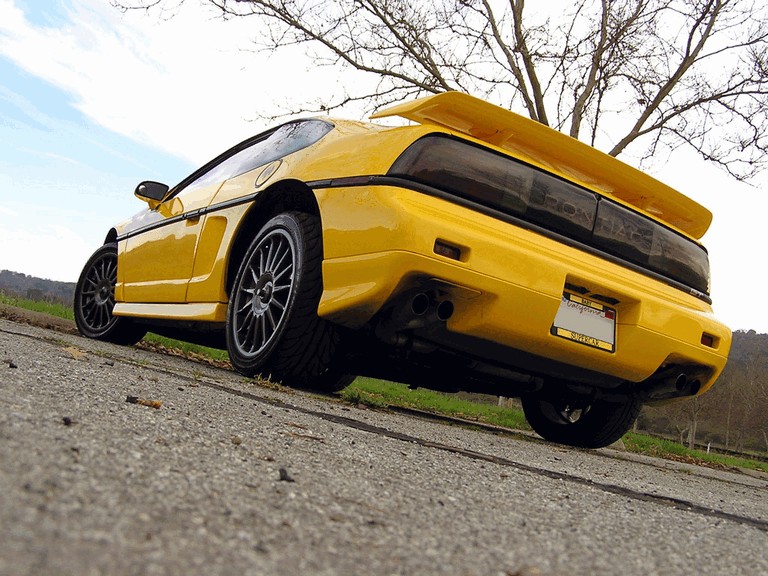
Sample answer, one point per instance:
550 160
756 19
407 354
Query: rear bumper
506 286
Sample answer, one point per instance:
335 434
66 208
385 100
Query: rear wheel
272 324
95 300
592 424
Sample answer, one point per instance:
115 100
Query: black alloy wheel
95 301
272 324
263 293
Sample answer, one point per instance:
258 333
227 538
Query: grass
53 309
179 348
381 394
670 450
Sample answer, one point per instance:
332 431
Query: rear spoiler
540 145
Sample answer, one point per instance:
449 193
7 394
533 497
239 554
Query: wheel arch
284 196
111 237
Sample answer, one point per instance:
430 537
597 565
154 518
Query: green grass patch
185 348
380 393
52 309
670 450
652 446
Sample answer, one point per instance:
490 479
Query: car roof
541 145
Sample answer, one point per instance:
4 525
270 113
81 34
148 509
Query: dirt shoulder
37 319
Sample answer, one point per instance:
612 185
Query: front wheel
592 424
95 300
272 324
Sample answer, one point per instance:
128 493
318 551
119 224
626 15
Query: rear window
528 193
257 151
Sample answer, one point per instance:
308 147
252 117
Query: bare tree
733 413
652 74
694 408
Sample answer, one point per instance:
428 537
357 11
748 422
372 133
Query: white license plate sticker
586 322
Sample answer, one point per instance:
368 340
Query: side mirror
151 192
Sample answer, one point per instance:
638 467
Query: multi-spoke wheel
95 300
588 424
272 323
263 292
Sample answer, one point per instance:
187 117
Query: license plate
586 322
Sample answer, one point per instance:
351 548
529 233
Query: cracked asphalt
116 460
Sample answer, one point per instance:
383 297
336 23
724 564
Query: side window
262 150
287 139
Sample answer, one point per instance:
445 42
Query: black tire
594 425
272 324
95 300
332 381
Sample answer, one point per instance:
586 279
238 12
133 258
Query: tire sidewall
604 423
260 361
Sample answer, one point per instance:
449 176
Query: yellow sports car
472 249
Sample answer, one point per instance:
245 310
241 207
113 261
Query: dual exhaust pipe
424 304
687 386
413 312
671 384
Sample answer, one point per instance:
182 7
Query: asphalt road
230 477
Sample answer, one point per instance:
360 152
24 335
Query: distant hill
40 289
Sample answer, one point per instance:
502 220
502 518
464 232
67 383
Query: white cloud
53 156
735 239
184 85
46 251
8 212
25 106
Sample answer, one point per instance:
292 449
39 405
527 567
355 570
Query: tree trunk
728 421
692 433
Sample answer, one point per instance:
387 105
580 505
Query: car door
157 261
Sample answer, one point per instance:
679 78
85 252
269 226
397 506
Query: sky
93 101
